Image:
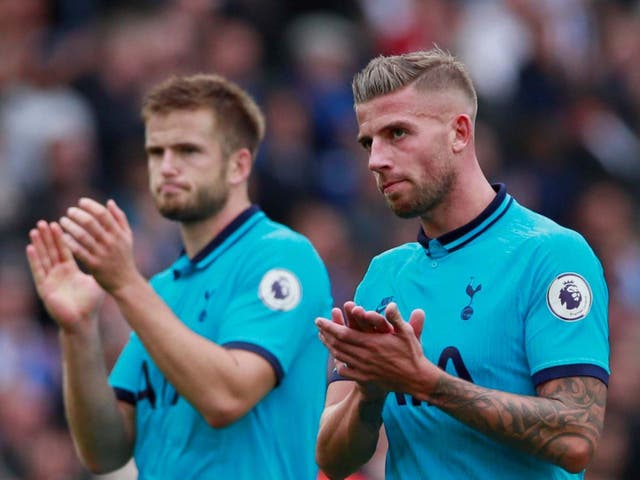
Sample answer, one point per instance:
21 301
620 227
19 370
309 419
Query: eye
154 152
187 149
398 133
365 143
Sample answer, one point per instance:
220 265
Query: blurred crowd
559 123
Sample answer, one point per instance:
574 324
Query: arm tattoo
566 409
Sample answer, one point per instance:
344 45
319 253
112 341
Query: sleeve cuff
574 370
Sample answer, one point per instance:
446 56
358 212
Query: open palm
69 295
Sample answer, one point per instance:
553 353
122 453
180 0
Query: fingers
89 224
35 265
337 317
101 215
46 250
51 251
332 333
392 314
82 233
366 321
416 320
362 323
354 317
110 217
81 242
348 309
62 248
379 323
118 215
39 251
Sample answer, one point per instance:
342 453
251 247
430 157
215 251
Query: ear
239 166
462 129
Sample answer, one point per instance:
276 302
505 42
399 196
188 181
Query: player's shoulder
397 256
272 234
274 240
542 231
543 228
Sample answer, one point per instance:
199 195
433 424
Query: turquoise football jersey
257 286
511 300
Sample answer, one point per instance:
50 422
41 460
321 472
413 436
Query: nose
378 157
168 164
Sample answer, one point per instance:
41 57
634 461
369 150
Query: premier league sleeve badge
569 297
280 289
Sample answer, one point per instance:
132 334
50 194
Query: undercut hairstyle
239 122
428 70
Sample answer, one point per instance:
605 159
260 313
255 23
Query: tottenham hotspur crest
569 297
280 289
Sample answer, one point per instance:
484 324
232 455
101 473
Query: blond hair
431 70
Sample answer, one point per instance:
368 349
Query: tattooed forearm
566 417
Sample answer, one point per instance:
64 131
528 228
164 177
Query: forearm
348 434
103 438
562 426
184 357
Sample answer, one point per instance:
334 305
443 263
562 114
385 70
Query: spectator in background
286 166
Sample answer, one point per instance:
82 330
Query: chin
406 213
169 209
402 210
171 213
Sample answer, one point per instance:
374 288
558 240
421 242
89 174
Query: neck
197 235
469 197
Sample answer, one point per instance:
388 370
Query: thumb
416 320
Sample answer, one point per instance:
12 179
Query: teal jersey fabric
258 286
511 300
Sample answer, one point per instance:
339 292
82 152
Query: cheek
153 177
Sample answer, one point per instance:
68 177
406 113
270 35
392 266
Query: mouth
389 187
170 188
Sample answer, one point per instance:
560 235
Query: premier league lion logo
280 289
570 295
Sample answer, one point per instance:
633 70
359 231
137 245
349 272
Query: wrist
370 392
129 288
87 327
370 405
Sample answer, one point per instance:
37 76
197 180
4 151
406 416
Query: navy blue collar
459 237
225 233
220 243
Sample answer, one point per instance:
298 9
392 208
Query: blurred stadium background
559 123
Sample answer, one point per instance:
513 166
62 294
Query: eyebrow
153 148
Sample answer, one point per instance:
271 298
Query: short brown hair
432 69
239 119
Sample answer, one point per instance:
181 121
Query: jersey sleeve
278 296
124 376
566 323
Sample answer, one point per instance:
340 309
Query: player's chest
474 322
200 299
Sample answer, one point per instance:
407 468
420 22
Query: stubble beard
427 197
206 204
